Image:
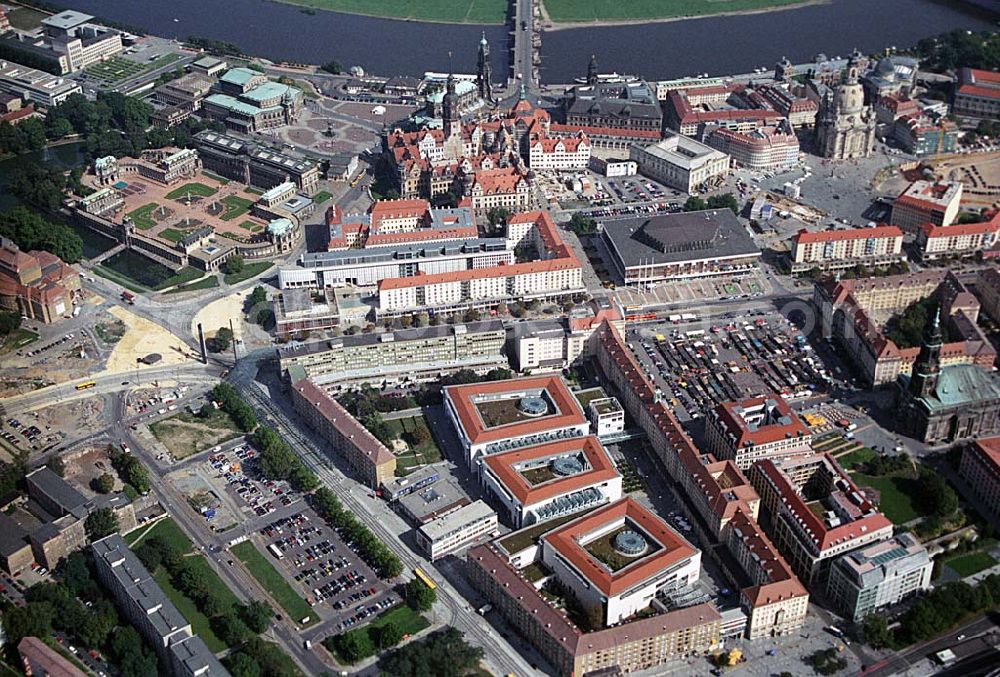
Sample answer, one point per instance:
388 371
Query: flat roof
446 524
505 467
777 421
401 335
674 238
570 542
438 498
67 19
463 399
56 488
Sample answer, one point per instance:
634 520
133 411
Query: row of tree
233 623
372 550
79 607
279 462
231 403
130 469
725 201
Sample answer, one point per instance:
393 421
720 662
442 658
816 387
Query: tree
222 339
354 646
498 216
257 615
419 596
876 631
334 67
937 496
234 264
57 465
388 635
421 319
29 230
33 620
242 665
443 654
726 201
472 315
100 523
582 225
104 484
695 204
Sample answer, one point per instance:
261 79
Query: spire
483 42
592 70
524 93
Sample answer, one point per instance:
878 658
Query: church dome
885 67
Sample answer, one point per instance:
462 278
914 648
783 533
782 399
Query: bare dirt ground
218 314
142 338
84 467
184 435
201 491
980 174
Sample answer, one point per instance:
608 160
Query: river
718 45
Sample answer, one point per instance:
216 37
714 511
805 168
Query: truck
128 297
484 609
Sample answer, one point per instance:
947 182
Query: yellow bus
419 573
87 385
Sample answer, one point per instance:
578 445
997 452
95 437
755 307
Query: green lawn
204 283
453 11
115 69
223 181
856 457
272 581
25 18
322 196
610 10
249 270
405 618
251 226
422 454
200 625
139 273
167 529
971 563
173 234
193 188
142 216
896 495
17 339
235 206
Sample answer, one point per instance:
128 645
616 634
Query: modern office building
918 135
552 345
644 644
618 558
551 480
75 42
681 163
812 528
457 529
399 358
869 580
652 248
501 416
347 437
607 416
34 85
842 249
147 609
934 202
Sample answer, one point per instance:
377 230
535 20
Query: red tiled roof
780 583
565 541
568 411
592 131
421 235
502 466
503 270
988 449
805 237
772 432
346 425
822 536
956 229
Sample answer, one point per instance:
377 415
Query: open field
235 206
203 283
322 196
416 455
249 270
186 434
273 582
896 495
200 625
451 11
166 529
566 11
193 189
971 563
142 217
405 618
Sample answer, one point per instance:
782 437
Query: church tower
452 121
592 71
484 72
927 367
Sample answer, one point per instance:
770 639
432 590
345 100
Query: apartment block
842 249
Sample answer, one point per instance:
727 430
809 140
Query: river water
717 45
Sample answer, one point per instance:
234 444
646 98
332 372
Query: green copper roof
239 76
270 90
962 384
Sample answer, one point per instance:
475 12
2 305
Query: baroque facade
845 126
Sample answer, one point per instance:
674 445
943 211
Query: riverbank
482 12
550 25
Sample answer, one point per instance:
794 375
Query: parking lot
239 468
733 360
326 569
